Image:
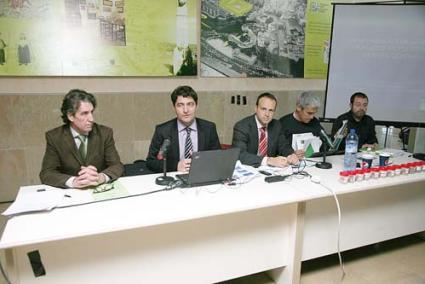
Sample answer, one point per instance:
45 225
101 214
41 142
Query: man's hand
184 165
279 161
88 176
293 159
300 154
371 146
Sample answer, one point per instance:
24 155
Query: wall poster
253 38
317 40
98 37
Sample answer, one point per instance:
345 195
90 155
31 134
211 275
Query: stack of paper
39 198
307 142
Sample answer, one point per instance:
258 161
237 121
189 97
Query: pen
41 189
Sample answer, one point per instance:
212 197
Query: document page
307 142
37 198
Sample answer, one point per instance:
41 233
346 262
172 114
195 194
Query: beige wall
131 106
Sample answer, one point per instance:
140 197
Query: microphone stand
324 165
164 180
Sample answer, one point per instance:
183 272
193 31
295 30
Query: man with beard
358 119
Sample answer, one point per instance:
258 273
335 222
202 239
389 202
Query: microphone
328 142
164 149
162 155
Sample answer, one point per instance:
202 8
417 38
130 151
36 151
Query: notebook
210 167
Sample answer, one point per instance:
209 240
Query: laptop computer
210 167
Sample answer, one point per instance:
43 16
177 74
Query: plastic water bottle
351 143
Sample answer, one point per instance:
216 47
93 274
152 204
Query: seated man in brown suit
80 153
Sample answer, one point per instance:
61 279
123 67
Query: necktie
82 149
262 145
188 147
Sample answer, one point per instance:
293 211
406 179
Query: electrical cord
167 188
174 184
341 263
3 272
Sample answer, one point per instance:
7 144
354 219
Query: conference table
212 233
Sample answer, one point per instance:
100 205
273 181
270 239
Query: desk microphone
328 142
162 155
163 149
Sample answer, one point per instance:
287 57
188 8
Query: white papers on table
74 196
244 173
302 140
36 198
339 135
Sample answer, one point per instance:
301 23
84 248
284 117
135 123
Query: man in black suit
260 139
80 153
187 134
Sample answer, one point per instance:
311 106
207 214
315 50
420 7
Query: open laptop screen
209 167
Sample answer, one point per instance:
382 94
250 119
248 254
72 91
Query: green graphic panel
98 37
317 39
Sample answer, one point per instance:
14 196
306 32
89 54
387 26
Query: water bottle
351 142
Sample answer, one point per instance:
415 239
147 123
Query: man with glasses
80 153
186 134
358 119
259 137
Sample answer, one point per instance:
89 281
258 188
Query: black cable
122 197
3 272
168 188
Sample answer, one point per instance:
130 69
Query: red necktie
262 145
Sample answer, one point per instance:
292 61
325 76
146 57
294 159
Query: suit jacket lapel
201 136
254 133
270 136
93 140
175 138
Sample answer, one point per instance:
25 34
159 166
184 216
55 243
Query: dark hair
184 91
72 101
358 95
265 95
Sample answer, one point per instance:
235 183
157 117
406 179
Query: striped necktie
262 145
188 147
82 149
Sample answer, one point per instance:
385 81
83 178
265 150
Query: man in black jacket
187 134
302 120
358 119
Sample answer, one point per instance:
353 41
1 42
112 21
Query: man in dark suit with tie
260 139
80 153
187 134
